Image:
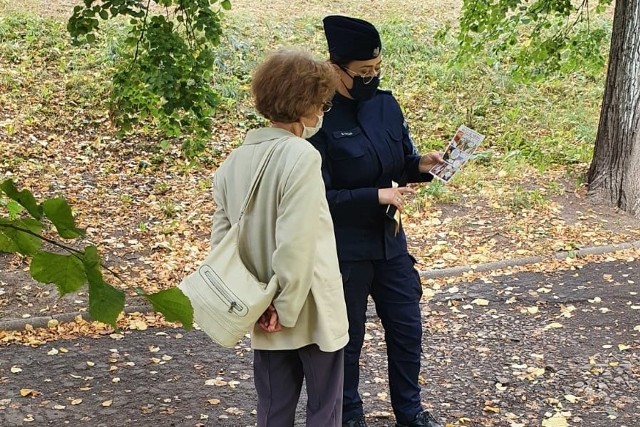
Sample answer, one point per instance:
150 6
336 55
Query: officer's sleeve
352 202
296 231
221 222
412 158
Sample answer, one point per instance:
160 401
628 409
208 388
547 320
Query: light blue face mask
309 131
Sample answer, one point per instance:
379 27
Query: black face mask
361 91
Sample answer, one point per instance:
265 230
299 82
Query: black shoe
356 422
423 419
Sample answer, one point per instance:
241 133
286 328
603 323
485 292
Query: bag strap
262 166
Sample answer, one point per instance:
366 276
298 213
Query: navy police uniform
365 145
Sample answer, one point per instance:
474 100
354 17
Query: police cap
351 39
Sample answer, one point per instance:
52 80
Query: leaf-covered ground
149 210
550 344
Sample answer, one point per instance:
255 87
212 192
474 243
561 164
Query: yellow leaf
76 401
15 370
554 325
532 310
214 401
536 372
480 301
623 347
571 398
24 392
52 323
558 420
493 409
107 403
218 381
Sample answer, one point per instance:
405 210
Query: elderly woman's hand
268 322
429 160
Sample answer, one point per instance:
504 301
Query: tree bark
614 175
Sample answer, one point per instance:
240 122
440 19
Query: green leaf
174 305
14 209
105 301
59 212
226 4
14 239
66 271
24 197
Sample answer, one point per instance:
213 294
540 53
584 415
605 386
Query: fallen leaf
219 382
558 420
24 392
480 301
76 401
107 403
214 401
623 347
15 370
571 398
554 325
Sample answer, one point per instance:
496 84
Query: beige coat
287 232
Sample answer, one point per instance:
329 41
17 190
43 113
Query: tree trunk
614 175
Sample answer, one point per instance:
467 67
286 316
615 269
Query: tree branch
144 27
73 251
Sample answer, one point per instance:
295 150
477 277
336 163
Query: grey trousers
278 378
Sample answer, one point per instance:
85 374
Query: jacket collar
256 136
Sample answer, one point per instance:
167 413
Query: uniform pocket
347 144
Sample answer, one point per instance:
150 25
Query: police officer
368 158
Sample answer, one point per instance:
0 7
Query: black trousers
278 379
395 288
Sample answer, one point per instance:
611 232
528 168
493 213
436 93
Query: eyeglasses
366 78
326 107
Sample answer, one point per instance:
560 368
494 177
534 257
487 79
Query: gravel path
502 351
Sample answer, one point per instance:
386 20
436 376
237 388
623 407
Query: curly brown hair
290 84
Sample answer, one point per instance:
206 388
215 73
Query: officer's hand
394 196
429 160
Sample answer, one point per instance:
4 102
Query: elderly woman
289 234
368 159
